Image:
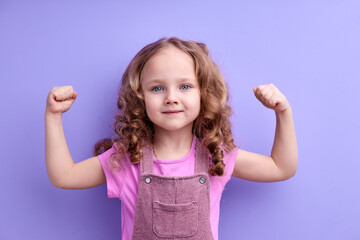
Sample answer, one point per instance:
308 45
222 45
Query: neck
172 144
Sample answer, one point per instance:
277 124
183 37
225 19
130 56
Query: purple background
309 49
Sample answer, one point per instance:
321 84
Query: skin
282 164
169 83
172 101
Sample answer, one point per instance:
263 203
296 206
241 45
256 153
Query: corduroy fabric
173 207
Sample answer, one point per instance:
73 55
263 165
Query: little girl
173 152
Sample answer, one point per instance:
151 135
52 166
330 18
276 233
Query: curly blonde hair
132 126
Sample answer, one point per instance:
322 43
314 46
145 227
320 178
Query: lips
172 111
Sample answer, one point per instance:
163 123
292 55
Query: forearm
285 150
57 155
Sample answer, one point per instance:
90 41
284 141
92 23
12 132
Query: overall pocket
175 220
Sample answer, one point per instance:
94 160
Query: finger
258 88
268 92
63 93
261 93
279 98
261 89
261 86
272 98
257 91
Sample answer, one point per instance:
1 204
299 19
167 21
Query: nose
171 98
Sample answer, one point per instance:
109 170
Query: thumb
74 95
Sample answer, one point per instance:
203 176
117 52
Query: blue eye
157 89
185 87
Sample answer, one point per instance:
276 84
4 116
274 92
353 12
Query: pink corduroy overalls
173 207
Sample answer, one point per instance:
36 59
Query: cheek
146 101
199 107
148 107
149 113
151 107
198 100
195 102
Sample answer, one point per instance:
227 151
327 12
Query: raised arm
282 164
62 171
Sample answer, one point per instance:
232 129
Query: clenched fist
271 97
60 99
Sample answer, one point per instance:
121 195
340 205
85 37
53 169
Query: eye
185 87
157 89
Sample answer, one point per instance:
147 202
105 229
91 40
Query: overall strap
146 162
202 158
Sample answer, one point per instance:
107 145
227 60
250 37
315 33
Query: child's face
171 90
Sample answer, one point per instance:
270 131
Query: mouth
172 112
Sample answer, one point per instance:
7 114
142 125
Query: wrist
50 115
286 111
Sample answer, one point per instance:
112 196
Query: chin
172 128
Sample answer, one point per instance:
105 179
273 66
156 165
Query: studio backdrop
308 49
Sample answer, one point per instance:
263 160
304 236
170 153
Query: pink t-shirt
124 184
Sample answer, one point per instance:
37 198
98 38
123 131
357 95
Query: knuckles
261 88
62 91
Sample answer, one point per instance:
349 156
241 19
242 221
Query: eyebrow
161 80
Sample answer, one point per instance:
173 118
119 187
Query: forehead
169 62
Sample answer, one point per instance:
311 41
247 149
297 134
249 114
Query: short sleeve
229 160
112 178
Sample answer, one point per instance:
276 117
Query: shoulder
121 175
229 160
229 156
107 154
112 155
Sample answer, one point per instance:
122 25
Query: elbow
290 170
59 179
57 183
289 174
